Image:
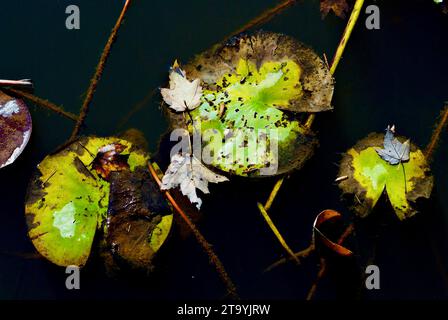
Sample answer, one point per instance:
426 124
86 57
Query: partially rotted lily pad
138 223
368 177
68 198
15 128
254 88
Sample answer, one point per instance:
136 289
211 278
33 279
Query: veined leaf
369 177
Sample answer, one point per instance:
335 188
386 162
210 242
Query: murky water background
395 75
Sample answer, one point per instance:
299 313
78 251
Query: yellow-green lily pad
256 88
365 177
67 200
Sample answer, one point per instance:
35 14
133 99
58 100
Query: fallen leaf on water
369 177
394 151
110 159
190 174
339 7
323 217
182 94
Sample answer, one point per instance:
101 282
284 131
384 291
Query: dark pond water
394 75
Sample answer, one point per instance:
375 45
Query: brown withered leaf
322 218
110 159
339 7
15 128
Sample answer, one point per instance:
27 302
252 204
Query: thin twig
337 57
41 102
98 72
346 35
323 265
273 194
341 47
320 274
137 107
305 253
231 289
277 233
432 145
264 17
24 83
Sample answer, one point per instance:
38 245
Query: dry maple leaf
190 174
394 151
339 7
182 94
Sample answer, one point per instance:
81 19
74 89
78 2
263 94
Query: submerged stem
324 267
277 233
273 194
341 46
435 138
264 17
41 102
99 72
337 57
231 289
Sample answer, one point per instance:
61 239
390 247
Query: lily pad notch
371 172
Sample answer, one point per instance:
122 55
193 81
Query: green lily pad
68 201
254 87
368 177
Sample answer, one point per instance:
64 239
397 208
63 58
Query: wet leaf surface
369 177
182 94
15 128
67 201
139 221
253 87
189 174
394 151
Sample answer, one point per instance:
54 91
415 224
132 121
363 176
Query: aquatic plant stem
341 47
346 35
41 102
264 17
99 72
337 57
277 233
273 194
323 265
432 145
305 253
231 288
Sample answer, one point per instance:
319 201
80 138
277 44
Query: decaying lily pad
369 177
254 88
137 213
68 200
15 128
